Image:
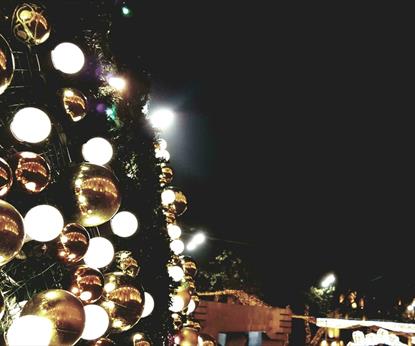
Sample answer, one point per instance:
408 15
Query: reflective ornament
208 340
187 337
72 244
174 201
6 65
2 307
6 177
32 172
139 339
43 223
31 125
123 300
126 263
87 284
189 284
12 232
30 24
189 265
64 310
95 193
102 342
96 322
166 176
68 58
74 103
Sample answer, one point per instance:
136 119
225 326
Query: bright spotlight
328 281
162 118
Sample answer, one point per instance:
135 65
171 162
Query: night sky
288 135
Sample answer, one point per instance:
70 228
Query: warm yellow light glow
177 246
174 231
118 83
168 197
43 223
176 273
177 304
68 58
30 125
162 118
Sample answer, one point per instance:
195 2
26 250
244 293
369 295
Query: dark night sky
288 135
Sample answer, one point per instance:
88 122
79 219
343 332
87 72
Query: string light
96 322
124 224
97 151
30 330
68 58
148 305
43 223
100 253
31 125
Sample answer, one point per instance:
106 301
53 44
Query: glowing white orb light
176 273
96 322
100 253
177 246
30 330
124 224
162 154
191 307
174 231
30 125
148 305
168 197
117 83
98 151
176 304
43 223
162 118
68 58
162 144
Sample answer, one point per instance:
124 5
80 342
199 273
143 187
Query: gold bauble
96 194
123 299
188 337
6 177
87 284
12 232
170 217
72 244
102 342
166 176
32 172
30 24
6 64
126 263
64 310
184 293
2 307
139 339
179 205
189 266
74 103
208 340
190 285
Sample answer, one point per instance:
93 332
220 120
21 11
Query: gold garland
242 297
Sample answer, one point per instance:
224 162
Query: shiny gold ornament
166 176
187 337
123 299
208 340
30 24
64 310
2 307
170 217
6 65
32 172
139 339
190 285
12 232
87 284
72 244
6 177
96 194
184 293
102 342
189 266
74 103
126 263
179 205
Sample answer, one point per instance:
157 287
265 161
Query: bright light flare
328 281
162 118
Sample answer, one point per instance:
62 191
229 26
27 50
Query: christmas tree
89 241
